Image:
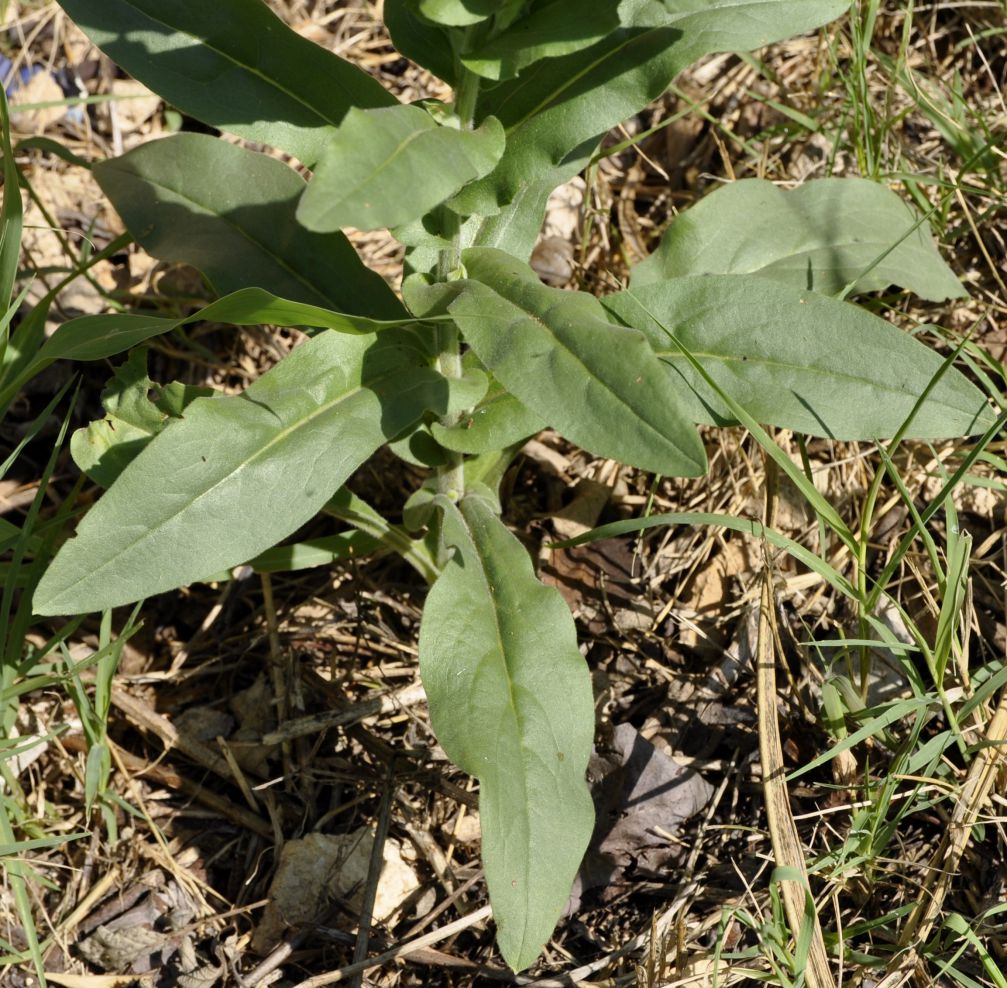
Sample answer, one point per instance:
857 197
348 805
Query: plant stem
451 476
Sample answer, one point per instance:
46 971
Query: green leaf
98 337
11 216
237 474
426 44
457 13
387 167
232 64
558 109
497 422
798 360
599 384
549 31
314 552
137 410
231 213
823 235
510 702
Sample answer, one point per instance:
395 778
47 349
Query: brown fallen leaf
640 795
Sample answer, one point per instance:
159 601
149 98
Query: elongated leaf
315 552
557 110
798 359
238 474
553 29
231 213
232 64
823 235
99 337
11 215
510 701
389 166
599 384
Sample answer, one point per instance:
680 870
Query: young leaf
237 474
823 235
510 701
548 31
558 109
136 409
497 422
232 64
798 360
389 166
599 384
231 213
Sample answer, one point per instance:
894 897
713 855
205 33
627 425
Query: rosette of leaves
474 354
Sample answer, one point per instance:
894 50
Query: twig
374 872
404 950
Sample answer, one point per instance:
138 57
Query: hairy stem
451 476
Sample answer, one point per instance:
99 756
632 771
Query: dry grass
249 715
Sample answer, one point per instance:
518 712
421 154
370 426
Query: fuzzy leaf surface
598 383
497 422
510 702
823 235
232 64
389 166
798 360
237 474
558 109
231 213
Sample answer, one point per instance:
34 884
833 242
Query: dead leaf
640 795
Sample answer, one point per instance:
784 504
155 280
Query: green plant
734 318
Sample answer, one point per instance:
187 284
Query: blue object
24 74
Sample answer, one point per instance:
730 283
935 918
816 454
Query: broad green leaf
558 109
426 44
237 474
823 235
387 167
231 213
598 383
510 702
136 409
457 13
797 359
232 64
497 422
548 31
